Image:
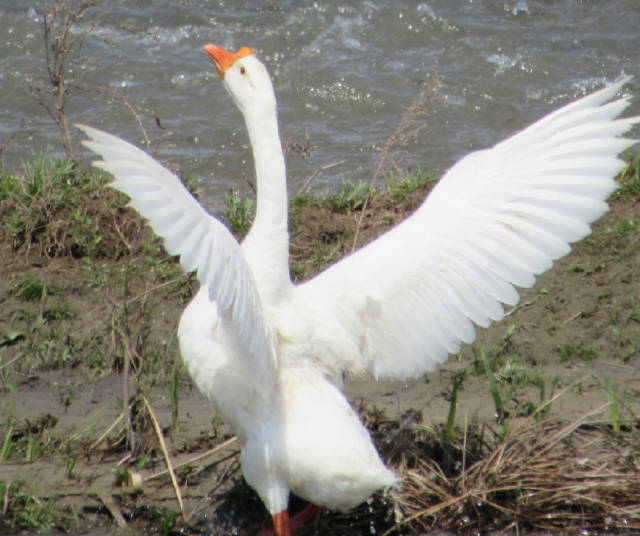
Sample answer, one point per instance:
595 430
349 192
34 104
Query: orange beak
223 59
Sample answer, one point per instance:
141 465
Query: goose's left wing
404 302
202 242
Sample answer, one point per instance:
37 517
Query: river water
345 74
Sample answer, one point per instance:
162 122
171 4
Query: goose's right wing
495 220
202 242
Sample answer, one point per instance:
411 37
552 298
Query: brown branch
411 124
59 44
125 101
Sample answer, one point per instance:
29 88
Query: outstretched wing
498 217
202 242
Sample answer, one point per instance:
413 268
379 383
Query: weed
168 525
498 399
634 316
629 178
5 384
24 510
173 397
625 227
571 352
350 197
57 311
300 201
614 410
60 209
409 182
239 214
325 255
449 432
8 444
43 175
70 465
31 289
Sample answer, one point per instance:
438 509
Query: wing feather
497 219
202 242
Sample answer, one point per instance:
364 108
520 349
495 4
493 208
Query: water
345 73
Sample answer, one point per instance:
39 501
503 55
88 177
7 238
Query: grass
30 289
239 214
575 353
350 197
24 510
47 189
399 188
629 179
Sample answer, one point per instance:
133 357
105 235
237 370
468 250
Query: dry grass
549 475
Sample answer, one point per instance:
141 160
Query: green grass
498 397
56 207
8 444
350 197
629 178
398 188
30 288
24 510
575 353
239 214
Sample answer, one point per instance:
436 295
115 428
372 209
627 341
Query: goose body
269 354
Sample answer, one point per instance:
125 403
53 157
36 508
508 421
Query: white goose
269 354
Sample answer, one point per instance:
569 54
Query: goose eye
242 70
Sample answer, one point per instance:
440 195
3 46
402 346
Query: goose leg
303 516
283 525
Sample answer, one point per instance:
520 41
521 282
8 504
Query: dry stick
9 363
125 101
125 383
110 505
107 432
464 453
117 228
199 457
405 130
7 140
58 47
520 306
163 447
316 173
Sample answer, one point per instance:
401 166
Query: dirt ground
62 353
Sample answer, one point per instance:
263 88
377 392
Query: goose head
246 79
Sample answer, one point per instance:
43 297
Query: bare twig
199 457
122 98
57 19
167 458
107 431
5 365
316 173
110 505
7 141
411 124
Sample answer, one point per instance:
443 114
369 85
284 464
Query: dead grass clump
551 475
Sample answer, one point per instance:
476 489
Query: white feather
496 219
196 236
